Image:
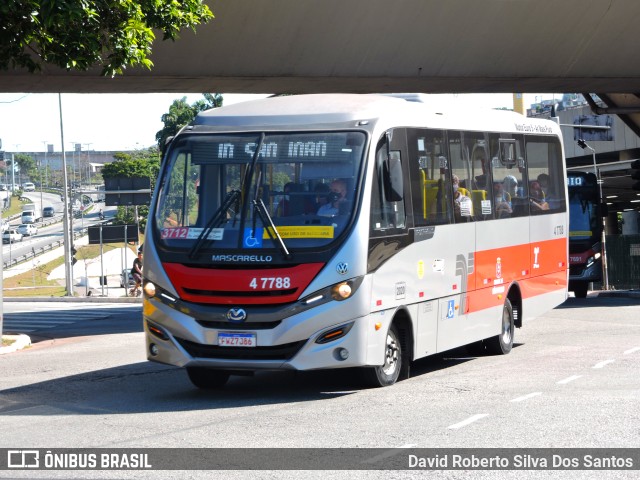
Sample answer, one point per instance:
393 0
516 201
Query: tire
207 378
387 374
503 343
580 290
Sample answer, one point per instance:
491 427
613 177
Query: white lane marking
603 363
469 420
526 397
632 350
569 379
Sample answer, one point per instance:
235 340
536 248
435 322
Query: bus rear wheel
207 378
388 373
503 343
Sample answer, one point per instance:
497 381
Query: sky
108 122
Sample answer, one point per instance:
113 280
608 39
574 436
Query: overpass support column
611 227
630 223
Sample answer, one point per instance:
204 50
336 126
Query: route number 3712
267 283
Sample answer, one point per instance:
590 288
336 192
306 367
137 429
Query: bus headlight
592 259
149 289
339 291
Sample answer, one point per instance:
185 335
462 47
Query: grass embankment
34 283
15 208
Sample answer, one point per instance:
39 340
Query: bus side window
545 167
508 173
464 149
429 171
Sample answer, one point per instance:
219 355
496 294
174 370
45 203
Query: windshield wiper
267 221
248 175
216 220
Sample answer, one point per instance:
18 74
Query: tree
181 114
26 166
138 165
111 34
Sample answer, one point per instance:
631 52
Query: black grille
276 352
225 293
239 326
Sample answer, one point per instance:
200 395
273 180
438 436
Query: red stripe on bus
244 286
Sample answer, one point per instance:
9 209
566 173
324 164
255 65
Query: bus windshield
583 215
255 191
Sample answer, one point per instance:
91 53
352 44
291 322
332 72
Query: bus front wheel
388 373
207 378
580 290
503 343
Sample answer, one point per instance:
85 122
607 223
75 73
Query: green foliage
26 165
181 114
145 163
78 35
127 216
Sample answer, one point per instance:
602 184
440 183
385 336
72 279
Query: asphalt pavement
86 286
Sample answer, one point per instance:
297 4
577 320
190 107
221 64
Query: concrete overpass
431 46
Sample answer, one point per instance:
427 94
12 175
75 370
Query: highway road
570 381
51 233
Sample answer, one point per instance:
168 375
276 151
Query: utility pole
68 239
13 172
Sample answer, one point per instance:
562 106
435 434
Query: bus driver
336 196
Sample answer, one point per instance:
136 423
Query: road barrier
41 250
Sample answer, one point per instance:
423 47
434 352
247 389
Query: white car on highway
27 229
11 236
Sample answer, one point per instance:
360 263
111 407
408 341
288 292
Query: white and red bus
330 231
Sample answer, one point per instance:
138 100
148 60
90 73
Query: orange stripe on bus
538 268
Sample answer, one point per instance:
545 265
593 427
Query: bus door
502 242
454 268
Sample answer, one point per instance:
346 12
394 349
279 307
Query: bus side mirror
604 209
394 183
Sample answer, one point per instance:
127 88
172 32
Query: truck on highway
31 212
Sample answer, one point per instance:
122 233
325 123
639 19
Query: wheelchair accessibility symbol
451 309
252 238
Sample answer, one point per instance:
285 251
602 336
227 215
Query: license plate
230 339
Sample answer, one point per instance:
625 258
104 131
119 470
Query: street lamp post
41 200
605 274
46 164
88 165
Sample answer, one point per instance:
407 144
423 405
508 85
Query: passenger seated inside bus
283 208
317 200
462 205
336 198
502 201
537 198
543 180
510 187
